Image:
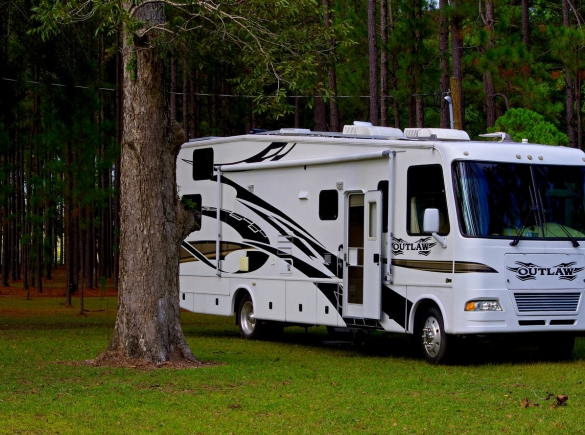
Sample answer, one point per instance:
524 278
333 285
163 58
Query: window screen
203 164
425 189
328 205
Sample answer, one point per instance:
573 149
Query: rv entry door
363 274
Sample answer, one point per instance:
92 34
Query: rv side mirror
431 220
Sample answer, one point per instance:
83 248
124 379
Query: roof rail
199 139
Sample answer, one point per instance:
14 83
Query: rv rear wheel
250 327
433 339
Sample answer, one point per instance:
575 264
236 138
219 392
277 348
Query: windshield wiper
561 226
522 227
569 236
533 208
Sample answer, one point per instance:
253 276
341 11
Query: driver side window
425 189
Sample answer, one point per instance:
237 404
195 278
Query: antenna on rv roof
504 137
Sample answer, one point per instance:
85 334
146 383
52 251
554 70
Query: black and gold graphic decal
207 248
274 152
396 306
444 266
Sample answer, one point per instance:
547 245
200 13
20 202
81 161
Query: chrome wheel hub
431 336
247 318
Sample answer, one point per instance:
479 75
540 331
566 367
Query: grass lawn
297 385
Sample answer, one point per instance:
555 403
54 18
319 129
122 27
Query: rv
421 232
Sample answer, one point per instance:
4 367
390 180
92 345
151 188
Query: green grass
295 385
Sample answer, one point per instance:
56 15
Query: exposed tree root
118 360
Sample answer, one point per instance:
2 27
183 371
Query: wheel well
240 293
422 306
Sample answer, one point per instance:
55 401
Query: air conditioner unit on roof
360 128
438 133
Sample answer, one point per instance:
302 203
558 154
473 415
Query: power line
57 84
436 95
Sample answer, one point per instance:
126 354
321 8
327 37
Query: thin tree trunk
384 63
569 93
320 117
444 61
456 55
394 57
526 23
334 121
119 133
192 90
488 84
420 112
297 112
185 96
373 62
68 225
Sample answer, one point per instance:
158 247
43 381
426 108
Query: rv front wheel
433 339
250 327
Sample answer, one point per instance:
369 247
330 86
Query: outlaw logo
530 271
423 246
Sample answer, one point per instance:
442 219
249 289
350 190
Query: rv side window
193 202
203 164
425 189
328 205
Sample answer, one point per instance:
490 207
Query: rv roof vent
360 128
439 133
294 131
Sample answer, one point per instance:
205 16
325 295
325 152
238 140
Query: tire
433 339
250 327
556 347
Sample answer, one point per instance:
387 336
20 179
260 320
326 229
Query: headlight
483 306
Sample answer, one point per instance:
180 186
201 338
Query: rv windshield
520 201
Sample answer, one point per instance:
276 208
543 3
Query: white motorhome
423 232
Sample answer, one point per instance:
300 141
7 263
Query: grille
563 302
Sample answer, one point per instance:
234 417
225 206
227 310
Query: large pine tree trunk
153 222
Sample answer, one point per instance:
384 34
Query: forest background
390 62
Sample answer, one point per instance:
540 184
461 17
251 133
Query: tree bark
395 66
373 62
319 115
488 84
384 63
153 221
334 121
526 23
444 62
569 93
173 96
456 55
